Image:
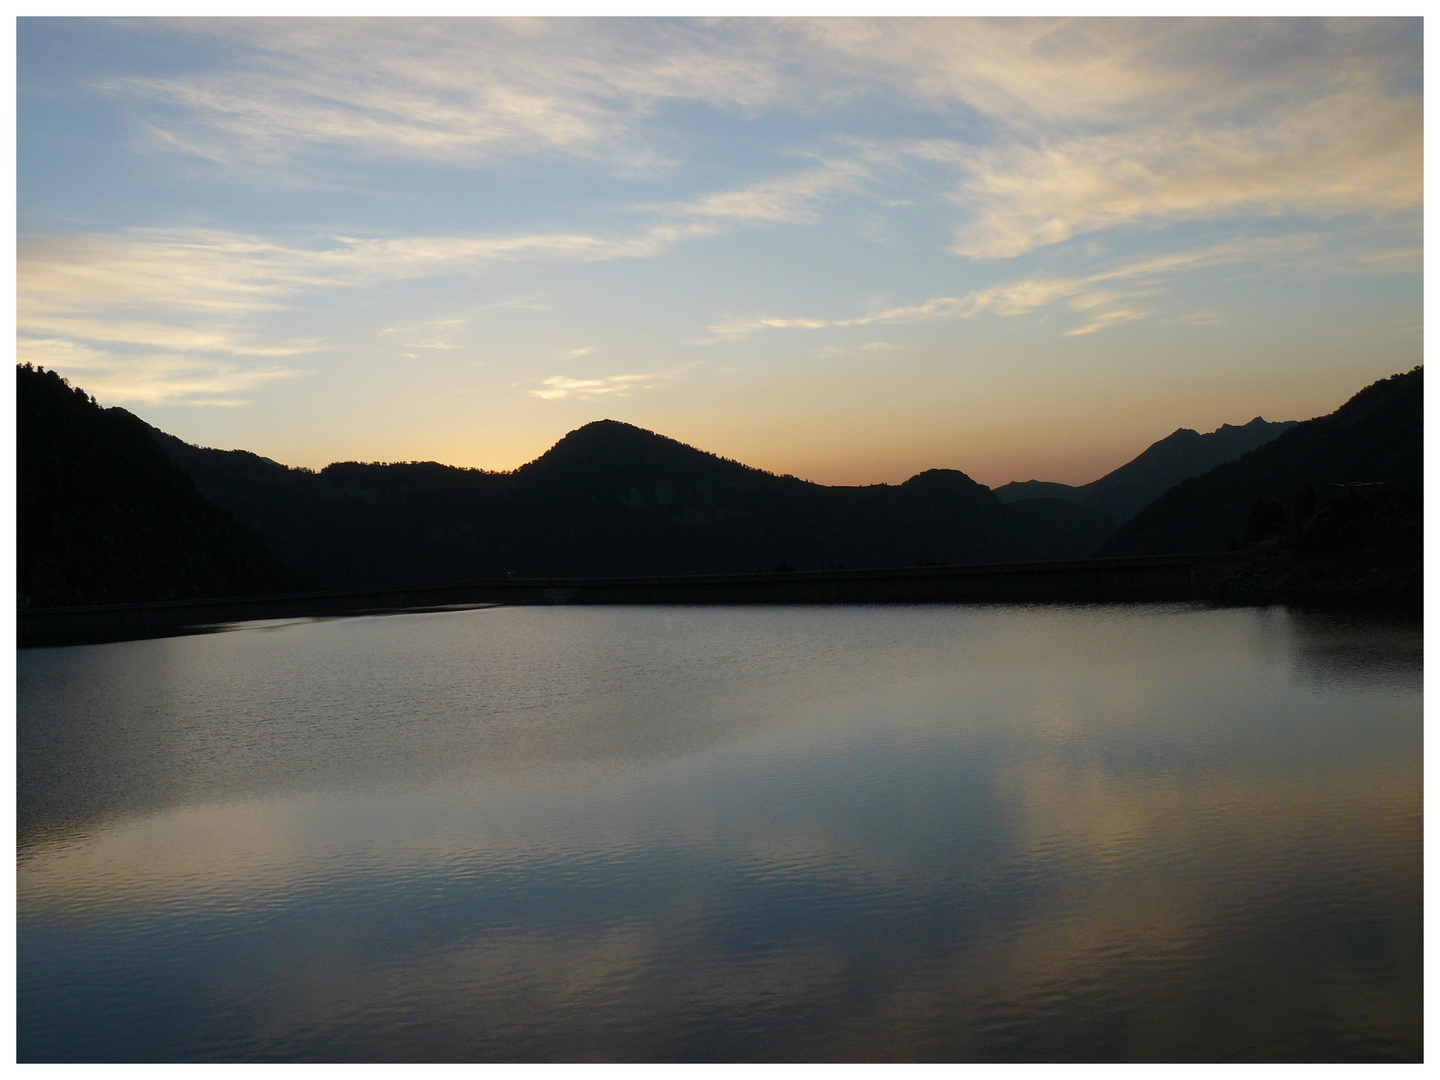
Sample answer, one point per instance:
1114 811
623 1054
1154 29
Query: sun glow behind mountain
848 250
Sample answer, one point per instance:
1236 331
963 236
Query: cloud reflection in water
1086 833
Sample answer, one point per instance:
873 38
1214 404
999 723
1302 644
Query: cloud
1074 126
199 290
228 273
154 317
157 379
575 354
205 292
202 338
462 91
563 386
1055 133
1203 317
1105 124
1138 277
1093 125
1355 153
472 92
212 270
782 200
1109 318
535 302
1039 76
1088 124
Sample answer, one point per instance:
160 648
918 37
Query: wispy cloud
1203 317
210 270
207 292
784 199
160 316
1109 318
156 379
195 290
1103 124
455 91
1055 132
562 386
1352 153
1103 121
1090 124
224 273
205 337
1088 292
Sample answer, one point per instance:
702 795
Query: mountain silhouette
613 499
1374 438
103 516
112 510
1120 495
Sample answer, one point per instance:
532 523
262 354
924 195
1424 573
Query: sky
847 250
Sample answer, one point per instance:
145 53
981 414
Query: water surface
1016 833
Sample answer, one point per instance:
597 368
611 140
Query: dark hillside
612 499
1026 490
102 516
1374 438
1120 495
111 510
1182 454
1360 544
353 525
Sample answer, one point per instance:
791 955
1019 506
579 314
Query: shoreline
1139 579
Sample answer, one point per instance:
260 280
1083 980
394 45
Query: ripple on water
928 833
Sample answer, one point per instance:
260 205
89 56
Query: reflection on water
997 833
1358 649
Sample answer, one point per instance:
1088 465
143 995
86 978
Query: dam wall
1128 580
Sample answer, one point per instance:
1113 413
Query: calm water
709 833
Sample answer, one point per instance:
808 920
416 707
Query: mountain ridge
103 516
1376 437
612 498
1185 452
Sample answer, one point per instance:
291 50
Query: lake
553 833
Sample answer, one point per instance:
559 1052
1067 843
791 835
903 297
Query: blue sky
847 250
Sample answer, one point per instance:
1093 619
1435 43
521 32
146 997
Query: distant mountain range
112 510
1120 495
612 499
1377 437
